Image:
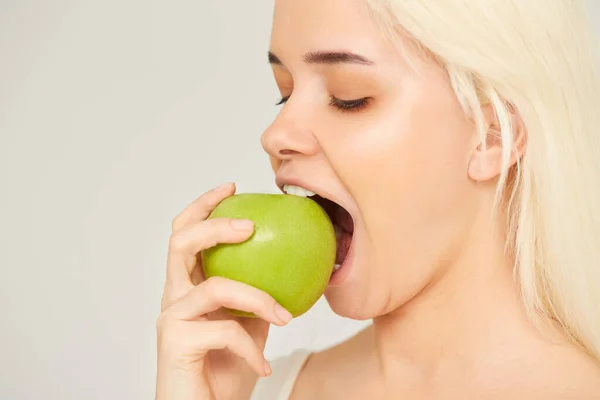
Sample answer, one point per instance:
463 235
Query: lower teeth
336 267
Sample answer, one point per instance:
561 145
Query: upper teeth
297 191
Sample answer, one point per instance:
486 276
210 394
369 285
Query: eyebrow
327 58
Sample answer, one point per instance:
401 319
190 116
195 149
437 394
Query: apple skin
290 255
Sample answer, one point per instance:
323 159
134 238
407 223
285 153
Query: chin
352 299
348 310
364 296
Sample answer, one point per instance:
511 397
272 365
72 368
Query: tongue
343 245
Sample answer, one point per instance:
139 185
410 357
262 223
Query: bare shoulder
579 375
327 369
536 370
568 373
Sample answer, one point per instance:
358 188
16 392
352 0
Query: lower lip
339 275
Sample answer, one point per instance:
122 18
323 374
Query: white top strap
279 385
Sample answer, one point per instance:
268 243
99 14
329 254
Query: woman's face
396 161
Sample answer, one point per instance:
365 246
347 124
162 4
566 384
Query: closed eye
349 105
341 105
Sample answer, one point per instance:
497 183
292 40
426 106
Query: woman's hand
204 352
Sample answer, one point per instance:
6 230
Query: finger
217 292
201 208
258 330
197 338
186 243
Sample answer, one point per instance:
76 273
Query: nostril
285 139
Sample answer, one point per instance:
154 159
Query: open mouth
343 222
343 225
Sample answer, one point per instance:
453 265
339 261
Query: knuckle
163 323
216 288
176 243
215 230
177 222
215 285
232 329
219 226
211 242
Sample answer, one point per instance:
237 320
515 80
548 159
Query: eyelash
341 105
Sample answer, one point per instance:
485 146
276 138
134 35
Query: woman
462 138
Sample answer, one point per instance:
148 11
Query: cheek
415 151
407 169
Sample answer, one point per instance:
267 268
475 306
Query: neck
473 309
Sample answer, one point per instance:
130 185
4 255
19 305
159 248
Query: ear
486 163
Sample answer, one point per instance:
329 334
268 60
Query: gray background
113 116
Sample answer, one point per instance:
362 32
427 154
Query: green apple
290 255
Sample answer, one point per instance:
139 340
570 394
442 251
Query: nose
289 137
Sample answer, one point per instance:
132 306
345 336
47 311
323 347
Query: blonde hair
535 57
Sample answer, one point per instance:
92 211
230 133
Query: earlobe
486 163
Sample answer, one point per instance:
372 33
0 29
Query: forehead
301 26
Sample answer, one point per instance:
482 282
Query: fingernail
267 368
284 315
242 224
223 187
